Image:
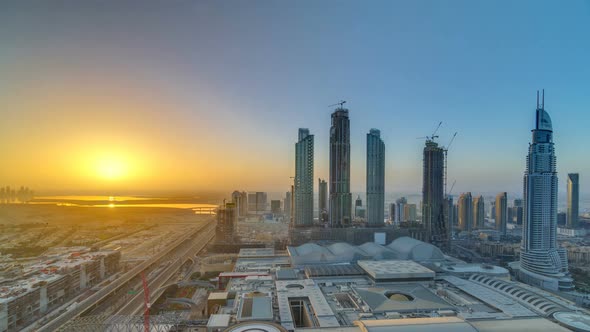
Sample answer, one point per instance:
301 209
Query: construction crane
341 103
434 135
446 150
146 304
451 190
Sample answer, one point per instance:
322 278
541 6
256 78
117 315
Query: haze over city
273 166
201 96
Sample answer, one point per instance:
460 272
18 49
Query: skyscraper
304 179
226 223
323 196
573 199
410 212
358 202
433 217
479 212
275 206
257 202
501 209
465 212
340 197
392 212
358 205
542 262
401 208
518 211
375 178
236 198
287 203
450 213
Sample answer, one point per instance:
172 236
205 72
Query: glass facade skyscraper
501 216
573 199
304 179
542 262
465 211
375 179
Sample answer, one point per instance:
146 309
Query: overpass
136 304
93 300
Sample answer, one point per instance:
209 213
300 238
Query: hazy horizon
208 97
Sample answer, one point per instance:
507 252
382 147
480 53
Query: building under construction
226 223
433 196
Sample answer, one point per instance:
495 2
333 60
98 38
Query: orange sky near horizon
68 137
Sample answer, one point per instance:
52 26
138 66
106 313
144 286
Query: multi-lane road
198 237
136 304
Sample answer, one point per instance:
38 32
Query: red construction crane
146 299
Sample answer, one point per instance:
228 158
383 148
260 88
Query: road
136 304
93 300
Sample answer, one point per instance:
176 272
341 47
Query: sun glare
111 169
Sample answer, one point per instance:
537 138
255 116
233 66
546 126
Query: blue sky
245 75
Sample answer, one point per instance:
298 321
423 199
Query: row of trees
11 196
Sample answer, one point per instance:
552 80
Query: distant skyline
202 96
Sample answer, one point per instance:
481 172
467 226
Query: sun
111 168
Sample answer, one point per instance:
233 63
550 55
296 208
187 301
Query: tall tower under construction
433 216
340 197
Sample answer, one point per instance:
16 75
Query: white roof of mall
403 248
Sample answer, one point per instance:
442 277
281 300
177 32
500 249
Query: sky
107 96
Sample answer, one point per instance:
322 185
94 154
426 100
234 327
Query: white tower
542 262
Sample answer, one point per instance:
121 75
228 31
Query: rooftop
395 269
404 248
402 298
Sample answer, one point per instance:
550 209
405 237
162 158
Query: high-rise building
562 219
493 210
479 212
501 215
542 262
236 198
450 213
240 199
358 204
304 179
257 202
401 208
275 206
433 216
261 202
410 212
375 178
340 197
516 213
287 203
252 202
573 199
323 196
392 212
226 223
465 212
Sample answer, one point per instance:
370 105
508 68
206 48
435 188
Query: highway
136 304
96 298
